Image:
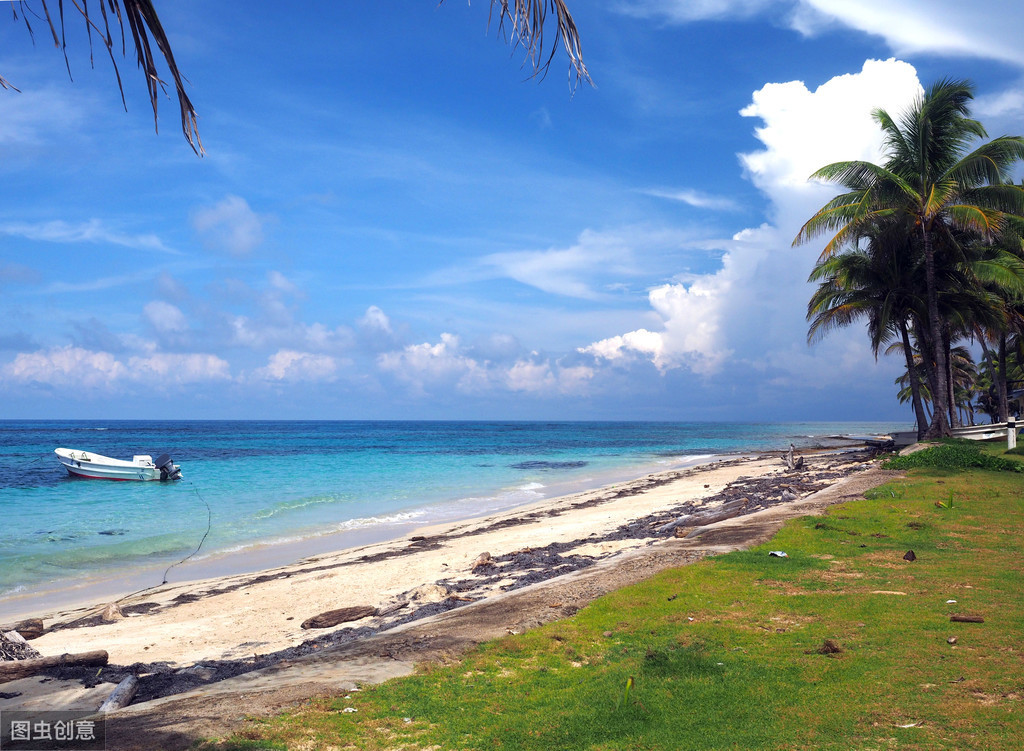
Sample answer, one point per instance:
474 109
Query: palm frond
146 30
528 19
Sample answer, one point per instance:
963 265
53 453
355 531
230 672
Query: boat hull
90 466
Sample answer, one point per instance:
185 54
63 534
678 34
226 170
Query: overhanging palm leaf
527 19
146 30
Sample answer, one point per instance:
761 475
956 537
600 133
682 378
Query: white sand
250 617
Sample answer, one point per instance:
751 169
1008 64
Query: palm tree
527 19
929 179
879 283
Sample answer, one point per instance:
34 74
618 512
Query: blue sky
392 221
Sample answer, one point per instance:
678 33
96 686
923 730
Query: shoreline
87 590
182 635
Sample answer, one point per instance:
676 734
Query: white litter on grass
350 709
950 602
911 725
777 554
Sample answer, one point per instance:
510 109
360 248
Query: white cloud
682 11
230 226
165 318
164 369
375 320
447 363
82 368
695 198
65 366
581 269
289 365
283 284
30 117
985 28
92 231
755 302
530 376
443 362
543 377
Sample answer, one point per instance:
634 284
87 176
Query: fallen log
12 671
688 520
341 615
120 696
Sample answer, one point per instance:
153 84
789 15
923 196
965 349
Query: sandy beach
180 636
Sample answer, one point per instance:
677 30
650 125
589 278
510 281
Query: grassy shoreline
841 644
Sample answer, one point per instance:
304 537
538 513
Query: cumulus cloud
543 377
754 302
292 366
375 321
65 366
447 363
442 362
230 226
77 367
169 368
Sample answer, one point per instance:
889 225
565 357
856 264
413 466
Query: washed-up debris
958 618
14 647
828 647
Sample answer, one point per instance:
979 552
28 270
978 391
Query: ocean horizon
296 487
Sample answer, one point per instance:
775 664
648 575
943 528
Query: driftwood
791 462
482 561
966 618
29 629
120 696
341 615
700 519
12 671
393 608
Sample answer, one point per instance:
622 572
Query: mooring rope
209 526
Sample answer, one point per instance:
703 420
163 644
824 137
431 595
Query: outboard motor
168 471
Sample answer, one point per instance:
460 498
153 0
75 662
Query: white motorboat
97 467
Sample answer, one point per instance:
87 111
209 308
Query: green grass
727 653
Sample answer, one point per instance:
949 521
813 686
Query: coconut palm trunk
1001 381
915 385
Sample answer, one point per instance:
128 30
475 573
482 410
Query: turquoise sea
271 485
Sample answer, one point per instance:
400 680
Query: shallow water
269 483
